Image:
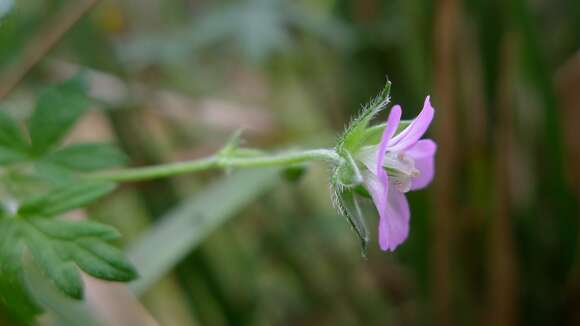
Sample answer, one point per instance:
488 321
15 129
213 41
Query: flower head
397 164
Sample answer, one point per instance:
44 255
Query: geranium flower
398 164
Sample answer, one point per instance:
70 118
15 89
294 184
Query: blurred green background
494 241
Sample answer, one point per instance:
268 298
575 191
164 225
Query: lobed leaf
10 134
86 157
60 254
66 230
54 263
10 155
102 260
65 198
57 109
12 293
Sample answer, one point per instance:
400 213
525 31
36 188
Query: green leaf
57 109
53 173
60 309
294 173
65 198
54 262
66 230
10 133
187 226
103 260
354 135
9 156
87 157
12 294
60 248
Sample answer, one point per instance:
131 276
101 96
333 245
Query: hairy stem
219 161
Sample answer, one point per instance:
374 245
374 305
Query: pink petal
394 213
415 130
390 129
379 194
423 152
394 224
388 132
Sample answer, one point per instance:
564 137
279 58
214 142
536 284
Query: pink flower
398 164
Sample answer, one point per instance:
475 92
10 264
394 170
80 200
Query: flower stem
219 161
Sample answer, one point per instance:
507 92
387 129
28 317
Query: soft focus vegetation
494 241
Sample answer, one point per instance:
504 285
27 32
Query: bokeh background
494 240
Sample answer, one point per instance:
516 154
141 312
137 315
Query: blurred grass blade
184 228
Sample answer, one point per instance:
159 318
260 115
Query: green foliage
294 173
30 227
12 294
86 157
57 109
61 309
65 198
60 246
12 142
10 134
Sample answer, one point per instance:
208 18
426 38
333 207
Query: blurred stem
221 160
44 41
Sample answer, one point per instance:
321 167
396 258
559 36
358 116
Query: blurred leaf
65 198
56 174
61 309
87 157
54 262
57 109
59 246
294 173
10 133
68 230
12 294
9 155
187 226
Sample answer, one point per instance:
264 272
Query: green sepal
352 211
373 134
355 134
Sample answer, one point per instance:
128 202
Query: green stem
219 161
